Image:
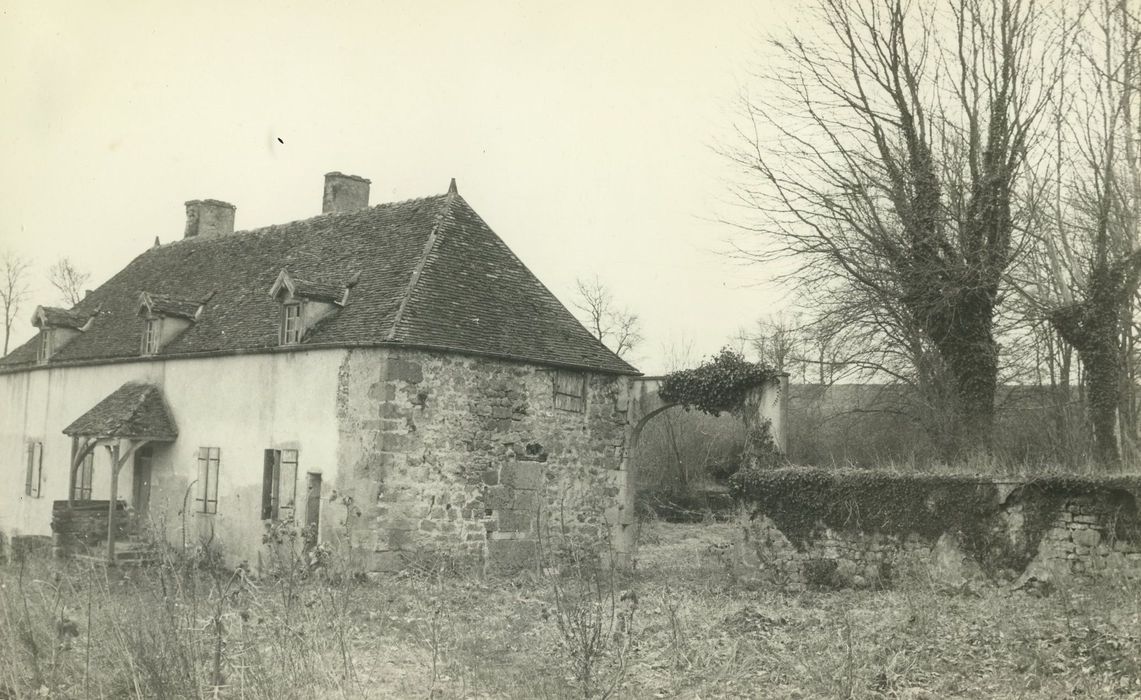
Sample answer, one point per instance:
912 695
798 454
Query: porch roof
134 410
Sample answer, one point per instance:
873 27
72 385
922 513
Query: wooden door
312 509
141 480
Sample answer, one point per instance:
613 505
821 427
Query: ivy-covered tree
1095 255
886 157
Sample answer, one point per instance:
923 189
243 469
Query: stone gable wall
1088 535
460 457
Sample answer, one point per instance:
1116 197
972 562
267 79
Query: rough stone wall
1085 537
460 457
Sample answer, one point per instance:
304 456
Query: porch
126 423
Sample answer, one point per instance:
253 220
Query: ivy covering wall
804 502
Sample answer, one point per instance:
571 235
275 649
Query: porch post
114 450
117 463
71 471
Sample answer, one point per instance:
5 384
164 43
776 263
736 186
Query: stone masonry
463 457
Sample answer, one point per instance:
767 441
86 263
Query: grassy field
680 626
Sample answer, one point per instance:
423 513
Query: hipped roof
429 273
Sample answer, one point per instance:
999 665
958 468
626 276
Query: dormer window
304 303
291 324
58 327
152 336
165 318
45 351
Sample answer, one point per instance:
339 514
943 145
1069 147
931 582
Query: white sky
582 132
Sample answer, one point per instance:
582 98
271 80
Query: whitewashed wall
242 404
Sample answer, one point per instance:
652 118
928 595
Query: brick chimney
344 193
209 217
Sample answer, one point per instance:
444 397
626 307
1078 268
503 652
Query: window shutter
38 467
287 491
213 466
31 463
269 485
203 479
570 391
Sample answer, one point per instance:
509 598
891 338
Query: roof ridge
429 245
272 228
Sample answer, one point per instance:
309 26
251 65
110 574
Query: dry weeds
69 631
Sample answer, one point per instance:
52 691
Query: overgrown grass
185 630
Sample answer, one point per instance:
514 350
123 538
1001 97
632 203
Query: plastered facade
241 404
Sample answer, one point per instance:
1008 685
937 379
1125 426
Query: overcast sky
582 132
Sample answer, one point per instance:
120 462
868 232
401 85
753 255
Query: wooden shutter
35 469
287 491
269 485
570 391
30 470
203 477
208 463
213 467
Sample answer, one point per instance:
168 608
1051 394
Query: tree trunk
1062 399
1092 327
972 356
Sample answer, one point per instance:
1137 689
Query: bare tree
777 342
618 328
887 156
68 279
13 290
1093 254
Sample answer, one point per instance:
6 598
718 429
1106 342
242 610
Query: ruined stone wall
1080 535
1091 536
459 457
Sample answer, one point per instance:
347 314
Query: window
151 335
83 478
35 469
208 461
279 485
570 391
45 349
291 324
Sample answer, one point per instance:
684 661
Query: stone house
392 376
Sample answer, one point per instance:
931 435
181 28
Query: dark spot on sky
279 140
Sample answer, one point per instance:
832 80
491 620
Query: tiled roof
164 305
55 317
134 410
428 273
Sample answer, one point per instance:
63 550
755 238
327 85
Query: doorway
141 480
312 509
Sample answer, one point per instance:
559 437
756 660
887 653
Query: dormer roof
55 317
329 292
165 305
